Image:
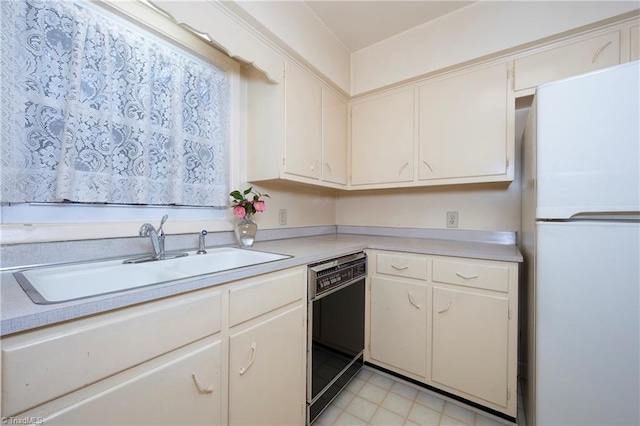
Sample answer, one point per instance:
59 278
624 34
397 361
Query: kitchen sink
55 284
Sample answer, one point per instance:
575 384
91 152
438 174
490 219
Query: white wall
294 24
484 28
305 205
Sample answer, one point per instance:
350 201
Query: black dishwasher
335 345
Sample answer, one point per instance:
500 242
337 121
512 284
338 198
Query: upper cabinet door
303 124
463 125
634 53
334 138
382 139
566 61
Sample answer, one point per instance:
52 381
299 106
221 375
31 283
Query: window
98 112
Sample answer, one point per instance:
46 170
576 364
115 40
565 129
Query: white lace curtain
96 112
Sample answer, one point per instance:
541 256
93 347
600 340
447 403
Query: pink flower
239 212
259 206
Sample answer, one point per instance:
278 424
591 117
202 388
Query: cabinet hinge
509 313
507 164
284 73
511 76
508 394
283 161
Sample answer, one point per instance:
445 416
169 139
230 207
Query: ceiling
359 24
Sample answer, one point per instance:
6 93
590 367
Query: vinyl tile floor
375 398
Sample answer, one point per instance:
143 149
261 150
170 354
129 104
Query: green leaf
248 191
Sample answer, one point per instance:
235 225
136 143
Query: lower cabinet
448 322
185 388
470 344
233 353
266 372
399 324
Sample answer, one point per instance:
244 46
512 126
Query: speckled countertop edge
19 313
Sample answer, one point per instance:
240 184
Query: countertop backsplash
29 254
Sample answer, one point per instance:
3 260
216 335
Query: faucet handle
162 221
201 249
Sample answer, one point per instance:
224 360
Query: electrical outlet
283 217
452 219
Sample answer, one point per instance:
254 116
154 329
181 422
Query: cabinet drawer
168 379
265 294
472 274
44 364
402 265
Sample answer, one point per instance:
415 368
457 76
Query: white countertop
19 313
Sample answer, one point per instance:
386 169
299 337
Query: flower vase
246 231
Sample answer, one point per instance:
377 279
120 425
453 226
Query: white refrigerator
581 244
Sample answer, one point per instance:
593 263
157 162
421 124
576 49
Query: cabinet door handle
599 51
428 165
244 369
399 268
467 277
329 167
201 388
402 168
413 302
313 165
446 309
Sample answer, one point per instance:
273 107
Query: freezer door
588 144
588 323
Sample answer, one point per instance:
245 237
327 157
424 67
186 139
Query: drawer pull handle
428 165
201 389
413 302
466 277
253 357
399 268
313 165
445 309
599 51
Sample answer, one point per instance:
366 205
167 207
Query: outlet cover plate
452 219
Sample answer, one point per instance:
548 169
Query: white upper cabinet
334 138
459 125
463 126
303 123
295 131
635 43
567 60
382 139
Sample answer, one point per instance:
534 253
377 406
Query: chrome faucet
156 236
201 249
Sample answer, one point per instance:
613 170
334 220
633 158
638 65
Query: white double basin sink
62 283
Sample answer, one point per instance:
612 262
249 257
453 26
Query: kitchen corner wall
305 205
486 207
